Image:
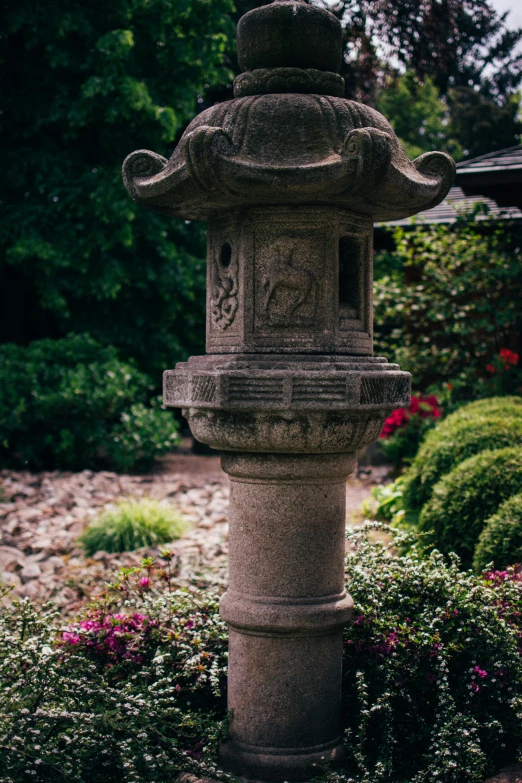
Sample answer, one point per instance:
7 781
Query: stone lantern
289 176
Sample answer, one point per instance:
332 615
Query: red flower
423 407
508 357
491 369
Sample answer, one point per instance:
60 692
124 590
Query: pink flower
481 673
144 582
474 687
70 638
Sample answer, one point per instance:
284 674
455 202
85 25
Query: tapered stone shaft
285 607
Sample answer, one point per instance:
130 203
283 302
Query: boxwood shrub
453 442
463 499
73 404
134 690
488 406
500 542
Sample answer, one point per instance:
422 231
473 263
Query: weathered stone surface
290 177
285 605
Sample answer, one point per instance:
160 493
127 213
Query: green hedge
72 404
453 442
485 407
500 542
463 500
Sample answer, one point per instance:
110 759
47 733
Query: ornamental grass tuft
133 524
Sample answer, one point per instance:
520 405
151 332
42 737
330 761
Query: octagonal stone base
301 404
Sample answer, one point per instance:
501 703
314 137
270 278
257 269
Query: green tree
451 300
419 116
464 48
84 84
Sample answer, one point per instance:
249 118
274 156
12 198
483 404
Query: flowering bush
432 667
135 690
131 692
451 300
405 428
503 375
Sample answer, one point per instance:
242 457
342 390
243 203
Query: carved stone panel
293 280
225 276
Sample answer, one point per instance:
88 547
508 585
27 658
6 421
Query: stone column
289 176
285 606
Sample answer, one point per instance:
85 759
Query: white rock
30 571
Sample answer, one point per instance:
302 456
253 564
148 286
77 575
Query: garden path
43 514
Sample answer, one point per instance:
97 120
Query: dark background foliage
85 84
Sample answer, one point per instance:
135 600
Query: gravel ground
44 513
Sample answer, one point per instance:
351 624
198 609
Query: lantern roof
289 137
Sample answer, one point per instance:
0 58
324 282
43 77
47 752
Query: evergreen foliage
73 404
464 499
449 444
84 85
500 542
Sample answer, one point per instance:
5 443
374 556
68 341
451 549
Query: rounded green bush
500 542
509 405
449 444
73 403
132 524
463 499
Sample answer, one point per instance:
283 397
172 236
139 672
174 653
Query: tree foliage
451 300
84 85
420 118
463 48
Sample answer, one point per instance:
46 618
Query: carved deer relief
283 275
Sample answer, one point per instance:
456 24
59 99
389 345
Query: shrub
133 524
448 445
431 692
129 694
500 542
463 499
135 690
73 404
488 406
405 428
455 301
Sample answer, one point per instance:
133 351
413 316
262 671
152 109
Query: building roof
454 204
494 179
501 160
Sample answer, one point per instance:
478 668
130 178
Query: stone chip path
42 515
